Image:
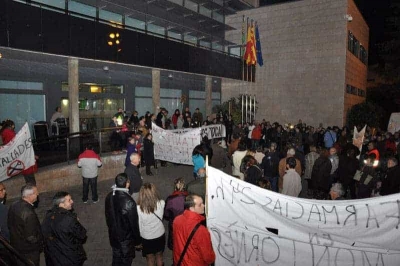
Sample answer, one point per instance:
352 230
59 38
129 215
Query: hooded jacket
89 161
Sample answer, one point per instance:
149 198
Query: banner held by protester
253 226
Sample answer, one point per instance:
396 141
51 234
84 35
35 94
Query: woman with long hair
7 131
175 117
151 210
174 206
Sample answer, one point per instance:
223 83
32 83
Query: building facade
315 61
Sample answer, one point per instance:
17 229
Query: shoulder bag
187 243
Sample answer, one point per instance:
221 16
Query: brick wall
61 176
304 46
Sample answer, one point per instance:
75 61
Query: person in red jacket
200 251
7 131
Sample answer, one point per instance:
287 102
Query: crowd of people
295 160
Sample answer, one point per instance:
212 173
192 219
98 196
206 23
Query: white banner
253 226
17 155
175 147
211 131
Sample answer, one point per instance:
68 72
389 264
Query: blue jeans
274 183
93 186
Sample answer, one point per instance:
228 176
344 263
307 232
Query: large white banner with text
17 155
253 226
212 131
175 147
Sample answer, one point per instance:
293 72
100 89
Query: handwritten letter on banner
212 131
17 155
253 226
175 147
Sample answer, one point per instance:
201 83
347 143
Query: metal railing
14 255
67 147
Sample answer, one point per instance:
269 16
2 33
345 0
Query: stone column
73 94
208 96
155 77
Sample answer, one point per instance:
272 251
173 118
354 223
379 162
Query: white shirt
237 158
291 183
150 226
251 127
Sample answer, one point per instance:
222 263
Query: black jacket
391 183
320 175
135 178
148 152
123 223
347 169
25 232
63 237
270 164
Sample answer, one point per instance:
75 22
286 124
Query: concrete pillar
73 94
155 78
208 96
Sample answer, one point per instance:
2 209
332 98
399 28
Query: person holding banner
7 131
198 160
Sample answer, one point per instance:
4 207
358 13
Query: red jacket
7 135
200 251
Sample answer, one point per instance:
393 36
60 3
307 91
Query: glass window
205 44
156 29
56 3
350 42
174 35
178 2
21 85
142 105
218 47
356 50
348 88
190 39
144 92
216 96
23 108
96 88
218 17
235 51
205 11
110 16
82 9
197 94
135 23
191 5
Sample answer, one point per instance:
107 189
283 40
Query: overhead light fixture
170 76
1 56
112 35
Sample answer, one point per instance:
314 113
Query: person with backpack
253 172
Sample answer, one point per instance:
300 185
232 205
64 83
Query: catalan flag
250 54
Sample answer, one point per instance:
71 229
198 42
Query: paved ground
92 215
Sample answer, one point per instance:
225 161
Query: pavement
92 216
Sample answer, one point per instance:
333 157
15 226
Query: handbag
187 244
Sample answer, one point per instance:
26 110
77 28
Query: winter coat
64 237
347 169
365 190
130 148
391 183
198 162
89 161
7 135
320 175
148 153
270 164
123 223
174 206
200 251
135 178
25 232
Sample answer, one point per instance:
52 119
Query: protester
368 179
270 165
130 148
198 160
391 182
348 165
63 234
7 131
151 210
135 178
122 222
310 159
4 232
253 172
282 167
320 176
174 206
3 194
89 161
291 180
198 186
24 226
237 158
199 251
337 192
148 153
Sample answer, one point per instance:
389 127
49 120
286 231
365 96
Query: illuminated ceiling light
110 43
65 102
117 35
112 35
117 41
1 56
119 50
109 101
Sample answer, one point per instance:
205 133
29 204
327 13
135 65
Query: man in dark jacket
270 164
4 254
391 183
135 179
23 223
320 176
122 221
63 234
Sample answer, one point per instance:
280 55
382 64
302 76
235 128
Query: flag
243 48
250 54
258 48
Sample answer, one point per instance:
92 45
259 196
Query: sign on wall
253 226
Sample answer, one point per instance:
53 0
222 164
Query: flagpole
255 46
242 49
206 196
251 65
247 33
